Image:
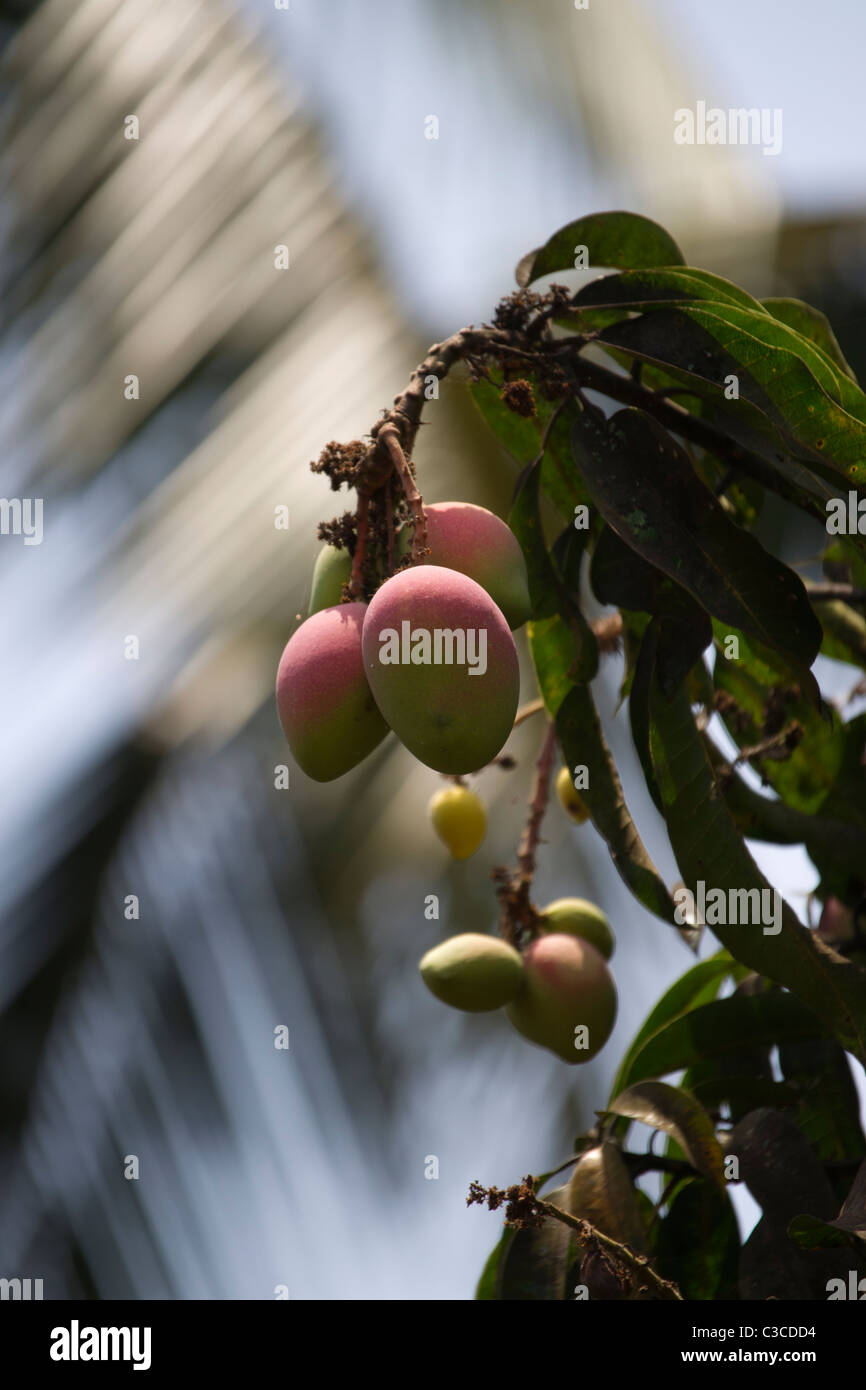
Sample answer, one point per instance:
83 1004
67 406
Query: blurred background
165 907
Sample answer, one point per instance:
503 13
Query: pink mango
475 542
442 666
326 707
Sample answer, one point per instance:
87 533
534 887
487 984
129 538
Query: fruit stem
537 806
389 439
527 711
356 583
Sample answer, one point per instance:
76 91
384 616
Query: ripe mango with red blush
473 541
329 717
443 668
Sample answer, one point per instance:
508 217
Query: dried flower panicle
521 1205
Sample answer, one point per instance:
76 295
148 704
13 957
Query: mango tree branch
637 1265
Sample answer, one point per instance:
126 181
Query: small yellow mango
459 820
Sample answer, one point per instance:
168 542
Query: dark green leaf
698 1244
709 849
615 239
649 494
490 1284
828 1106
583 743
721 1028
634 289
762 701
537 1260
789 394
697 986
848 1228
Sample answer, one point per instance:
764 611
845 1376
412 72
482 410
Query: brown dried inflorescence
518 396
341 462
521 1204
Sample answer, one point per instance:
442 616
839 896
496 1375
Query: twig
637 1264
823 593
786 738
537 806
526 711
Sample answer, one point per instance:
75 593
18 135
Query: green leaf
563 647
679 1114
538 1258
761 701
844 633
612 239
789 393
635 289
722 1028
522 436
648 493
709 848
848 1228
697 986
698 1244
743 1093
621 576
828 1106
602 1193
785 1178
812 324
582 741
490 1284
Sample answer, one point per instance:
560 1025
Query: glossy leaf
648 493
812 324
582 741
602 1193
789 394
615 239
679 1114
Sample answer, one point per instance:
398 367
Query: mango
459 819
475 542
473 972
333 569
569 797
329 717
577 917
442 666
568 1001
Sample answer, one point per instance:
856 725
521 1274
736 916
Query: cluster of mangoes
354 670
558 992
